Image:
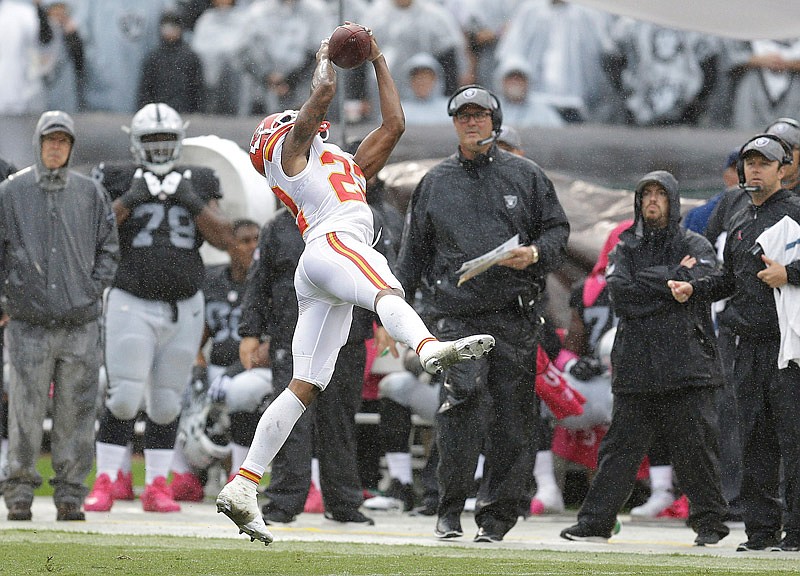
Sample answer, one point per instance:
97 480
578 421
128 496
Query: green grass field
32 552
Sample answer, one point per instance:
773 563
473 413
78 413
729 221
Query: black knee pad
160 437
115 431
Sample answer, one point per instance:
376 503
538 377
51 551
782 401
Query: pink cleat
314 504
157 497
186 487
101 498
122 487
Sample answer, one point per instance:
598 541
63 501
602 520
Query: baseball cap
471 95
732 159
788 129
767 147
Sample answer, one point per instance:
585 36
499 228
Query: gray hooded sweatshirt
58 239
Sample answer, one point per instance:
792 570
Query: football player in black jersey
154 310
230 408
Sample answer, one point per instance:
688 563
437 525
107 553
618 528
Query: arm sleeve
415 247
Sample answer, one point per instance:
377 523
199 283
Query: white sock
272 431
315 472
543 471
3 458
401 321
179 463
399 465
479 467
157 463
126 463
110 459
238 454
661 478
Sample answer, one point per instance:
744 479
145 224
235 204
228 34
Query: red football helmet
269 126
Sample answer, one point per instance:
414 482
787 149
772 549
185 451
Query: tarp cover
742 19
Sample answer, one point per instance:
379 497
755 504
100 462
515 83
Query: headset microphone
750 189
491 138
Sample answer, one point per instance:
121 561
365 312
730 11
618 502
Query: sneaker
436 356
101 498
122 487
486 535
238 501
428 508
350 517
186 487
448 527
707 539
273 515
790 542
314 503
760 543
659 501
157 497
583 533
20 511
402 493
69 511
548 501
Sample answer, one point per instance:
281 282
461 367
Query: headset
787 158
477 94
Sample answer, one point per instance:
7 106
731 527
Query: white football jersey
329 195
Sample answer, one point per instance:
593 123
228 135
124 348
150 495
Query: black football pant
325 430
769 426
686 420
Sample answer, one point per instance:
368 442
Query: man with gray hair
58 253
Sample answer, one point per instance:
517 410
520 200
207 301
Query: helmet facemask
157 133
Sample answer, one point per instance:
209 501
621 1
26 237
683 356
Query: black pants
498 416
769 425
326 430
730 445
686 420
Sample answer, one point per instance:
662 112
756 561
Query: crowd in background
551 62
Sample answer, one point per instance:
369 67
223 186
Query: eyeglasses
479 116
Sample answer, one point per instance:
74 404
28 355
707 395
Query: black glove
586 368
184 194
138 193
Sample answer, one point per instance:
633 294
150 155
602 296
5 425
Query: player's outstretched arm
374 151
298 141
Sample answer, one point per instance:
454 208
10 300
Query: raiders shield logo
511 201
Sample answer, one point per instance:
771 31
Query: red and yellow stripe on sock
424 341
248 475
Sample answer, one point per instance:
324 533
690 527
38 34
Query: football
349 45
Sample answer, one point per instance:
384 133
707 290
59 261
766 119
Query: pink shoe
314 503
122 487
186 487
678 509
157 497
101 498
537 507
